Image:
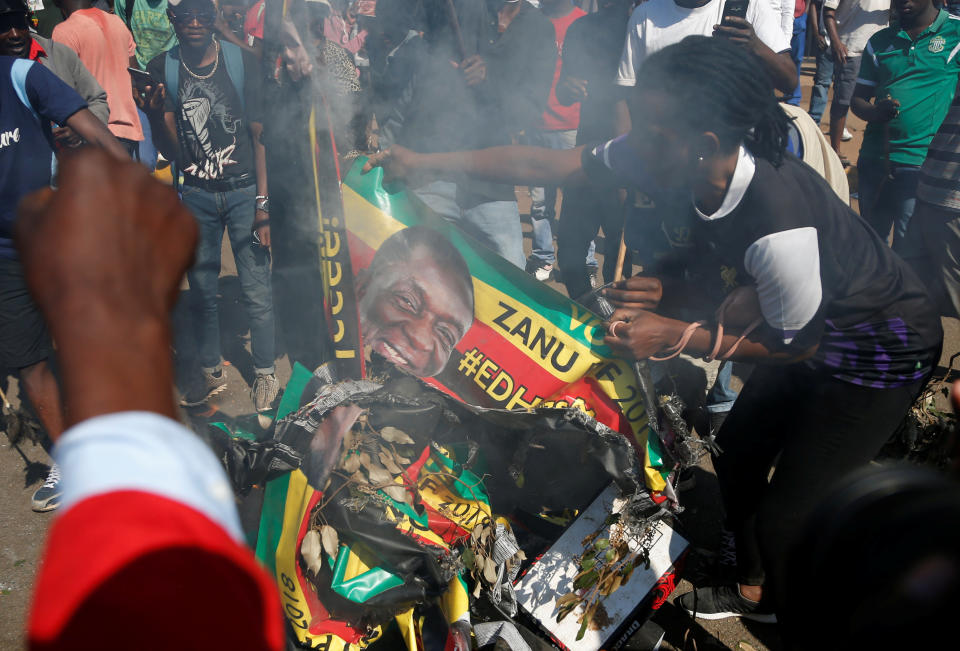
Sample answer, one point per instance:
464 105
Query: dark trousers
933 245
822 428
585 211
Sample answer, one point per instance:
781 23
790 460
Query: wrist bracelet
678 347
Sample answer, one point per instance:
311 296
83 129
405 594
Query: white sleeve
786 268
145 452
633 51
787 8
766 24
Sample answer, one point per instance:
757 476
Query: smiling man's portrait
415 300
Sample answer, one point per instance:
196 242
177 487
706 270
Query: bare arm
571 90
883 110
260 164
814 17
781 67
621 117
647 334
830 23
514 164
227 34
96 133
164 131
162 124
132 240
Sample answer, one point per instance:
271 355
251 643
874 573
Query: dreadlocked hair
715 85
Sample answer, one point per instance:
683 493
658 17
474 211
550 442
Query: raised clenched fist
104 255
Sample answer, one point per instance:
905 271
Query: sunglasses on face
13 21
187 17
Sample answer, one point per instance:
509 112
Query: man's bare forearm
96 133
621 117
102 363
782 69
830 23
259 157
164 138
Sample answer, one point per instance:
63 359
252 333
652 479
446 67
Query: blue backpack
232 56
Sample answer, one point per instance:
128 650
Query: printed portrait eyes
407 300
447 336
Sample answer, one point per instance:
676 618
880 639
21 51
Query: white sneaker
47 497
846 135
543 273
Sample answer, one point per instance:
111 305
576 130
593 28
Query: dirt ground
24 466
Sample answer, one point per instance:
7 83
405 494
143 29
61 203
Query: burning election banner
526 346
405 287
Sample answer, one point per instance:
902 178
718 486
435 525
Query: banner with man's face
409 288
443 307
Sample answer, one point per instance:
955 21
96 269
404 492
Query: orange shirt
105 45
558 117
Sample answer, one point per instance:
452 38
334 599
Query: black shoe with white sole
725 601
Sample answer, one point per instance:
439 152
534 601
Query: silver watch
263 203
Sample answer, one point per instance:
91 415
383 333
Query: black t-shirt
821 273
213 135
591 51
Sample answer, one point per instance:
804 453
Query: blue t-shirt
31 97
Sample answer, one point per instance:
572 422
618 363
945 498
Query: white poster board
552 576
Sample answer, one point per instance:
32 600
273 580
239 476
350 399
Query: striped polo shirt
940 175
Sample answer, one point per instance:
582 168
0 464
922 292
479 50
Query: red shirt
253 23
36 51
558 117
132 570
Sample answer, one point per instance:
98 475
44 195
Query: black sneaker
539 270
209 385
725 601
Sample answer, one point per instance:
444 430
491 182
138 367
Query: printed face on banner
415 300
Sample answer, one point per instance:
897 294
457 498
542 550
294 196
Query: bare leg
42 389
838 120
751 592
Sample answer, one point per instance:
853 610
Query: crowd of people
664 125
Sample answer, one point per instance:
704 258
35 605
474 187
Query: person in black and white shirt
845 335
203 105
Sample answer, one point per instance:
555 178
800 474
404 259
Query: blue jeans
543 201
495 223
147 151
886 202
797 46
235 210
821 84
721 397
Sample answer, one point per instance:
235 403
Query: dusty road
23 467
